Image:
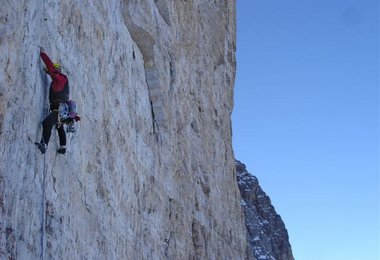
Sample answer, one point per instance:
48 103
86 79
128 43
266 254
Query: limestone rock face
267 235
150 172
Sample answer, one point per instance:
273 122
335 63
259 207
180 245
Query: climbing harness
67 113
63 111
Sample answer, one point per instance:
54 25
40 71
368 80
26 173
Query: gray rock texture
267 235
150 172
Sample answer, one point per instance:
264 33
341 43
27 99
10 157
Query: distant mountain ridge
267 236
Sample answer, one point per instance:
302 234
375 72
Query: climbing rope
43 196
43 184
42 241
43 204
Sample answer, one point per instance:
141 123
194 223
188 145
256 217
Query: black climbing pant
47 124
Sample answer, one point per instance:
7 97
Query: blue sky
306 119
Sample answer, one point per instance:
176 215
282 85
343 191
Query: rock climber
58 93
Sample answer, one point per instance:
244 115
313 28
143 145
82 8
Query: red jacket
59 87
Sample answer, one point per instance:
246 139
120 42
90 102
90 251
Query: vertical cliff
150 171
266 233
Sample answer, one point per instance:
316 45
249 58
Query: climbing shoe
62 149
42 147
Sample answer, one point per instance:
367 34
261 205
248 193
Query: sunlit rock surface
150 172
